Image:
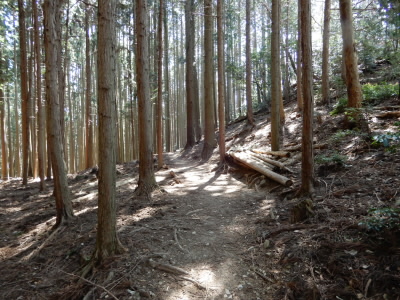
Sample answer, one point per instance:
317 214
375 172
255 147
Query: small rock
266 244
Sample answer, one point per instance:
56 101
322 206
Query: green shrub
390 141
339 107
379 219
375 93
331 158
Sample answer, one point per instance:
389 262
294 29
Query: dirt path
205 228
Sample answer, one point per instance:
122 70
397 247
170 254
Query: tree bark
249 100
24 92
167 85
275 77
88 97
325 53
221 80
190 89
41 121
354 92
51 11
107 242
299 60
307 163
209 130
147 182
160 143
4 154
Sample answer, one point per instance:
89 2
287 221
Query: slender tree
325 52
190 89
147 182
88 96
249 100
221 80
167 84
354 93
51 11
299 60
275 76
107 242
209 130
41 121
24 91
4 154
307 163
160 143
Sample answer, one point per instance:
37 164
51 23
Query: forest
167 149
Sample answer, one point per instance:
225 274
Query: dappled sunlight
212 282
293 127
26 240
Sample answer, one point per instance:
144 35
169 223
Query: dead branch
196 283
264 277
92 283
167 268
177 241
44 244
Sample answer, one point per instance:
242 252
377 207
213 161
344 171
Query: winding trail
206 227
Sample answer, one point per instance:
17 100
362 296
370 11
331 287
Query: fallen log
389 114
274 153
259 161
272 162
251 163
315 146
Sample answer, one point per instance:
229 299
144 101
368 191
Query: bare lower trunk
61 190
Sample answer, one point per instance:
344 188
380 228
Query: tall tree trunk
190 90
40 111
221 80
160 143
354 93
209 132
275 77
325 53
16 118
107 242
31 109
299 60
147 182
249 100
24 92
4 154
11 170
167 86
88 97
61 79
51 11
307 164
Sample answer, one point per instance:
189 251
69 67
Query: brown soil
211 236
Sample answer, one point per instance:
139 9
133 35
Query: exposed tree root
43 245
145 190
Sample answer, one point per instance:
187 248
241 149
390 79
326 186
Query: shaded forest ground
208 235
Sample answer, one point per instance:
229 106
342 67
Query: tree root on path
43 245
175 271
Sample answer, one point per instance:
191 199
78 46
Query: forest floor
210 235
